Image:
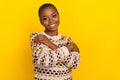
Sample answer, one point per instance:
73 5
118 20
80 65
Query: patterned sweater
53 64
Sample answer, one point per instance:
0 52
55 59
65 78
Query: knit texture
53 64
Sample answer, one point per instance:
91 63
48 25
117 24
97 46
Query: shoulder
33 34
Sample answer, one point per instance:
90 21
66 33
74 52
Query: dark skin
49 18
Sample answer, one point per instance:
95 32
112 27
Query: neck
51 33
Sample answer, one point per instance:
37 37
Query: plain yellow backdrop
94 25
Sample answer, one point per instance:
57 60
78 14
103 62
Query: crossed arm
68 54
43 39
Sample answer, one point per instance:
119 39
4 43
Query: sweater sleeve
72 60
43 55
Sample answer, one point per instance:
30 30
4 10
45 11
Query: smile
52 25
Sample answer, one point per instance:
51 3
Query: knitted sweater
53 64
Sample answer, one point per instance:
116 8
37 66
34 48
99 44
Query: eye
44 18
54 15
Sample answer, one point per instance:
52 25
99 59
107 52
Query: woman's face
49 18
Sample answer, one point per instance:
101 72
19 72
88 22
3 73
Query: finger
40 35
35 41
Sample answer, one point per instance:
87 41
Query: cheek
44 23
57 19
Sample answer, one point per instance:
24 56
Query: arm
73 59
46 55
68 54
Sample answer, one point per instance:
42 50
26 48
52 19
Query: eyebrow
50 15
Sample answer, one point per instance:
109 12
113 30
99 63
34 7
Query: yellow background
93 24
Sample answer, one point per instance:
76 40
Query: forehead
48 10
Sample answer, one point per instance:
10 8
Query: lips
52 26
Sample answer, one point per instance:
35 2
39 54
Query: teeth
52 25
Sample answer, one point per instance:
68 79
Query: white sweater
53 64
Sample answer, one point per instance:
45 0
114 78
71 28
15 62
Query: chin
52 30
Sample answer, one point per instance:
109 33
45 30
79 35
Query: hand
75 48
43 39
72 47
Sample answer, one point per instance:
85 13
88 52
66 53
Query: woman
54 55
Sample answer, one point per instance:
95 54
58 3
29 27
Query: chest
59 42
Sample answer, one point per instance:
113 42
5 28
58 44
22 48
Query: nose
51 20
